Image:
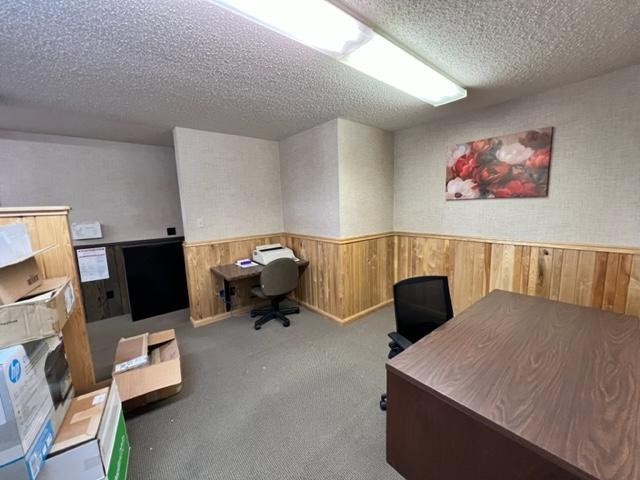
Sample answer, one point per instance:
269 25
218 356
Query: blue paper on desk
246 263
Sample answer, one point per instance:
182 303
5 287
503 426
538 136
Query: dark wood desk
233 273
518 387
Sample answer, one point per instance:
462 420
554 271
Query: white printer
265 254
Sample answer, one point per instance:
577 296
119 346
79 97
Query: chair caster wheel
257 327
253 315
286 324
383 405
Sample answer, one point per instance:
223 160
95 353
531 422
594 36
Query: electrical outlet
200 222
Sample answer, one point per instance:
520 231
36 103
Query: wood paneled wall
602 277
348 278
205 304
109 297
49 226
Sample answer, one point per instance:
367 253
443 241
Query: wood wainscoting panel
50 226
205 304
607 278
366 272
350 277
109 297
346 278
319 287
466 263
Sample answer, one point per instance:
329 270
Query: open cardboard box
158 378
42 313
20 276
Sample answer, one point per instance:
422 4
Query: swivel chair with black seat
279 278
421 305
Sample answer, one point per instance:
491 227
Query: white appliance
265 254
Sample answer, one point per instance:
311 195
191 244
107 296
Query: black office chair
278 278
421 305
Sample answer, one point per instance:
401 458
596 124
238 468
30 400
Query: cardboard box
159 378
132 352
92 443
20 276
42 314
14 243
35 392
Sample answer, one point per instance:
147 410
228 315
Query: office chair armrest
401 341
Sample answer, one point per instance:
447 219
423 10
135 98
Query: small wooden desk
516 388
233 273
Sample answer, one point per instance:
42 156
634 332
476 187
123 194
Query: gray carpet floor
279 403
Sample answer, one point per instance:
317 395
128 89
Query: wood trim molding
221 316
365 312
200 243
317 238
566 246
464 238
33 211
334 240
340 241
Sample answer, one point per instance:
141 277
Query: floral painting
515 165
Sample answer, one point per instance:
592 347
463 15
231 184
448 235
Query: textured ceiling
132 69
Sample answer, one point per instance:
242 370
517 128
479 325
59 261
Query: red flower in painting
492 173
465 166
515 188
539 159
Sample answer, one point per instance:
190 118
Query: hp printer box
35 392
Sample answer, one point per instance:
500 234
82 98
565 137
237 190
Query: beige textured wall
366 179
594 187
310 188
131 189
229 185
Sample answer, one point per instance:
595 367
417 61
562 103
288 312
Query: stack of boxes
35 384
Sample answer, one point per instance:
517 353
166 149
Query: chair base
273 312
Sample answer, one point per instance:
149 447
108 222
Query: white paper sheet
92 263
14 243
85 231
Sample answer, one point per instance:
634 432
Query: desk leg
227 296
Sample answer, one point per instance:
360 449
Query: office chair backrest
421 305
279 277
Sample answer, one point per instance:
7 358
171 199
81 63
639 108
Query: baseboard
343 321
241 310
221 316
313 308
366 311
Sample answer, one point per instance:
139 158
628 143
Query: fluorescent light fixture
321 25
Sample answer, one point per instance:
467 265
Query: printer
265 254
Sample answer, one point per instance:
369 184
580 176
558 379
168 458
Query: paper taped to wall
92 263
86 231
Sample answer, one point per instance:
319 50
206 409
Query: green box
119 461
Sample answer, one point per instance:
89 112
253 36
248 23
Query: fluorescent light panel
324 27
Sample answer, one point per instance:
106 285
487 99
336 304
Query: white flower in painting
458 189
514 153
456 152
